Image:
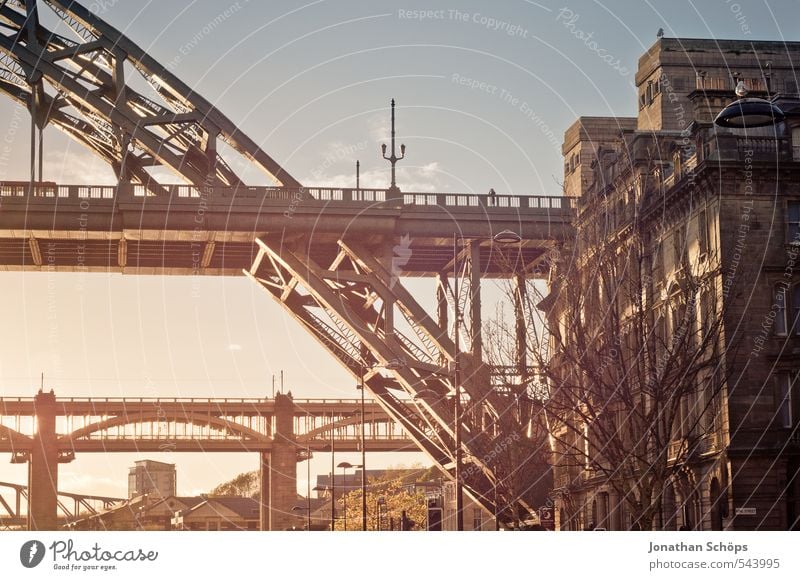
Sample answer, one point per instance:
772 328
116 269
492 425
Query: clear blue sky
484 95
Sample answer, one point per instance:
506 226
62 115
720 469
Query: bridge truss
83 84
343 286
71 506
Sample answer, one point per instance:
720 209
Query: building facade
686 275
153 478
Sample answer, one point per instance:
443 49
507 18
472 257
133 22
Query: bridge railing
23 189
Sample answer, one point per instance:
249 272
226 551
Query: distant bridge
71 506
43 431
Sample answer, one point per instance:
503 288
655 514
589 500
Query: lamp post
749 113
333 474
344 465
363 457
381 510
393 159
308 487
457 393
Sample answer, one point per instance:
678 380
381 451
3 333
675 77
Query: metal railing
178 192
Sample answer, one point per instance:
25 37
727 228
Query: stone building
717 205
150 477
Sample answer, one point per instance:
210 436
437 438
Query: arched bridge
43 431
333 258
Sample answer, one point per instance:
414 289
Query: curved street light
749 113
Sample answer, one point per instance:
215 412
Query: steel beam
179 132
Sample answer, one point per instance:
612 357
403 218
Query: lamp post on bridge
393 158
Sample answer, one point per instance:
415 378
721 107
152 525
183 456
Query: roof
244 507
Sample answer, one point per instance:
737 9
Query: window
785 399
679 246
794 327
477 519
779 297
793 222
702 233
790 86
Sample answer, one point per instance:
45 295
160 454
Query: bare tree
628 346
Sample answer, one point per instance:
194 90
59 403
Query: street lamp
381 510
749 113
393 159
344 465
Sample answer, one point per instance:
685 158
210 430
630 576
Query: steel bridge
334 259
71 506
44 431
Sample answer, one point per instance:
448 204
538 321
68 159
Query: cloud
233 347
75 165
425 178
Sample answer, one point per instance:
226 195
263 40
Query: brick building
697 197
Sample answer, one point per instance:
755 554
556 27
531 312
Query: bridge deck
199 425
191 232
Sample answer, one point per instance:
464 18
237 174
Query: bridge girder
80 86
350 307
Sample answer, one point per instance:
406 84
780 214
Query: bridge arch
189 418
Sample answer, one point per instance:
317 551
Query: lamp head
383 148
402 149
749 114
507 237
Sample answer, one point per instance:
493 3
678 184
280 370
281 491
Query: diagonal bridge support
359 310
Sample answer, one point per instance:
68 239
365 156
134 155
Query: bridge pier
279 470
43 466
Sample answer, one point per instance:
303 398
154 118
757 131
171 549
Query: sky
484 94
